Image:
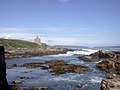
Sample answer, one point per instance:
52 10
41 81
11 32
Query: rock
117 65
106 65
16 82
111 64
60 67
85 59
52 63
32 65
14 65
24 77
110 84
57 67
101 54
80 85
30 52
110 76
36 88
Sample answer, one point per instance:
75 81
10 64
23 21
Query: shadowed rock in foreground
3 81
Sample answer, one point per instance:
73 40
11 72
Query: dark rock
17 82
85 59
57 66
14 65
32 65
29 52
80 85
101 54
36 88
106 65
24 77
60 67
3 80
111 64
97 56
52 63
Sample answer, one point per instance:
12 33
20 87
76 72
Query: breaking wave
82 52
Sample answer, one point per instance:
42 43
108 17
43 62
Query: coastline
24 52
101 56
109 62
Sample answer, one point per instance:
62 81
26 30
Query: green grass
18 43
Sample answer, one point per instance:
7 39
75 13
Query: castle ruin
37 40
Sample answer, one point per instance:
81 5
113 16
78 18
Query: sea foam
77 52
82 52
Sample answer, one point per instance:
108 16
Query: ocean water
109 48
43 78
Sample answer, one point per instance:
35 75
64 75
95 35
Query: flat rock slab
57 67
36 88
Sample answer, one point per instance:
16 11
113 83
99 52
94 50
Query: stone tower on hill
37 40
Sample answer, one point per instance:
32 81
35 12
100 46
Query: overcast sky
63 22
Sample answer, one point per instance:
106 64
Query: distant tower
37 40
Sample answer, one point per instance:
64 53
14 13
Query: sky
62 22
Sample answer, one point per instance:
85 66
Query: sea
70 81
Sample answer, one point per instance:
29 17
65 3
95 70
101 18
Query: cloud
20 36
45 30
60 35
60 40
80 42
8 36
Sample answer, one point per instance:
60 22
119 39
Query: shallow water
43 78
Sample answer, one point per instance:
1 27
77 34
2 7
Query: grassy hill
17 43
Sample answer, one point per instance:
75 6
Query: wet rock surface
60 67
100 55
57 67
110 63
36 88
17 82
111 83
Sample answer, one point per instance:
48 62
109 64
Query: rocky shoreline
36 88
111 65
109 61
26 52
55 67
